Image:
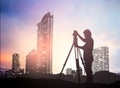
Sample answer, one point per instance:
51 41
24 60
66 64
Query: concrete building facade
31 62
101 59
15 63
44 44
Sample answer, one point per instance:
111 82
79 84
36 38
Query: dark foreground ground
49 83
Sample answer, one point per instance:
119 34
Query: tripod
77 55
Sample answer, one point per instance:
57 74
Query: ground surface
49 83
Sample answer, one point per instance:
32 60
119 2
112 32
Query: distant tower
15 63
101 59
68 71
31 65
44 44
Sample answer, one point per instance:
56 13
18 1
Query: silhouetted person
87 55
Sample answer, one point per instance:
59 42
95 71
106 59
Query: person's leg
89 73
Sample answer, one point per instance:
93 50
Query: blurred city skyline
19 28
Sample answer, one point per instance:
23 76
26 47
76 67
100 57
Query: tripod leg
78 71
82 59
66 59
77 64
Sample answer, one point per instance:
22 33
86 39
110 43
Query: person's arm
81 38
76 33
82 47
76 45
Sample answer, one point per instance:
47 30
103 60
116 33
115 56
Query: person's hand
75 32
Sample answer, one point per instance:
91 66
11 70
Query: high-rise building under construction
44 44
101 59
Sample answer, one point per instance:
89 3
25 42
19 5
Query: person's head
87 33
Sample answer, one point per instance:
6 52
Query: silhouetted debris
105 77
